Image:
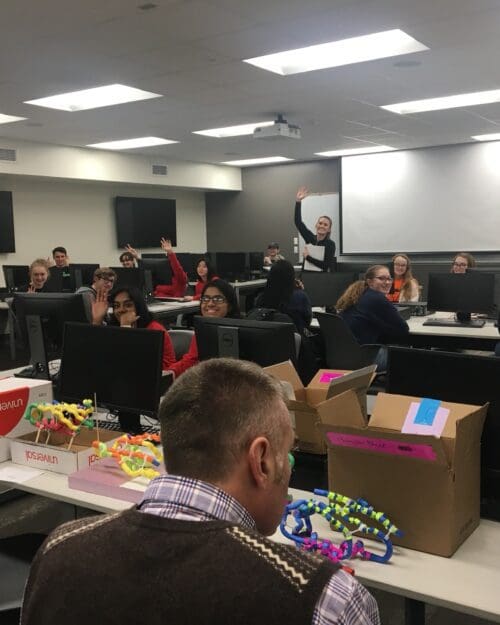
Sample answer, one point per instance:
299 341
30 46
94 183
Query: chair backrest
181 340
342 351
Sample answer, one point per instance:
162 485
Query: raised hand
302 193
132 250
166 245
100 307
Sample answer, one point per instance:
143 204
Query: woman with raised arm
177 287
321 238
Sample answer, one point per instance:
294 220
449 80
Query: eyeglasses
383 278
460 264
110 280
216 299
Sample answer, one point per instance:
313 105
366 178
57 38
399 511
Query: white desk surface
249 283
174 307
469 582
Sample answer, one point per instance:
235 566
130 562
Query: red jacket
179 280
168 358
200 285
189 359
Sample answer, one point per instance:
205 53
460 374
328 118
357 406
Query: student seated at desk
462 262
130 311
103 280
218 299
404 286
39 273
369 315
272 254
177 288
206 273
60 260
198 537
129 258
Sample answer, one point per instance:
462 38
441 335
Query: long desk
469 582
173 310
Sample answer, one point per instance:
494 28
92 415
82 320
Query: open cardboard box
427 485
56 456
315 403
16 394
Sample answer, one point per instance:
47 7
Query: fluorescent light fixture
108 95
130 144
258 161
446 102
7 119
352 151
232 131
343 52
495 136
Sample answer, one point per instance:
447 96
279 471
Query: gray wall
248 220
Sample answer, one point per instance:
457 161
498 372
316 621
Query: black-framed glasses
216 299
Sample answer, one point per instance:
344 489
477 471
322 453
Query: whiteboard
313 207
428 200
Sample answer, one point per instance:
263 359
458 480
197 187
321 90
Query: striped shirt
344 601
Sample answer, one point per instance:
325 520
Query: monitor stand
38 350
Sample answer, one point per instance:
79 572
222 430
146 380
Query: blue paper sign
426 412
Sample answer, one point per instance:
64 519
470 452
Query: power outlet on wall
295 249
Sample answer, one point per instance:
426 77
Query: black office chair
181 340
342 351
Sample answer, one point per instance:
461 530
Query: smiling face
381 281
39 276
460 265
213 303
128 262
123 305
104 284
202 270
323 227
60 259
400 265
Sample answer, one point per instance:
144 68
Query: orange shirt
397 285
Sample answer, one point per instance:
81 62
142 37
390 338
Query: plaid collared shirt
343 601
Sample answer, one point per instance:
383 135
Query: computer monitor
84 273
471 292
264 342
137 277
255 261
460 378
230 265
324 289
63 280
16 276
40 319
122 367
156 255
161 272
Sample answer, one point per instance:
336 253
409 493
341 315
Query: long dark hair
280 285
141 308
210 268
233 308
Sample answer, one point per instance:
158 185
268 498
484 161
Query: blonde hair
39 262
351 295
408 279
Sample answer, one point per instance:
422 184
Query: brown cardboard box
315 402
427 485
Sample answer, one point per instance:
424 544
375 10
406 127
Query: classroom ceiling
191 52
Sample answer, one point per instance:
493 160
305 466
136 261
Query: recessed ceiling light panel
258 161
108 95
232 131
353 151
336 53
494 136
130 144
7 119
446 102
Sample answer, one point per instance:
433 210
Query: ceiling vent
7 154
159 170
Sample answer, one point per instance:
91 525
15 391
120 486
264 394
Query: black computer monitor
40 319
264 342
324 288
63 280
460 378
16 276
471 292
230 265
156 255
122 367
255 261
137 277
161 272
84 273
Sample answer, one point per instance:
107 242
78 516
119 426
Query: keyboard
453 323
114 426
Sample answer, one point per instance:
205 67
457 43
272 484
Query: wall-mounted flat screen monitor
142 222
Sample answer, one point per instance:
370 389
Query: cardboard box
315 403
16 394
56 456
427 485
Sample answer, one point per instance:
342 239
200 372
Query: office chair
181 340
342 351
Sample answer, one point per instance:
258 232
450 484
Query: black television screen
142 222
264 342
471 292
325 288
7 239
93 360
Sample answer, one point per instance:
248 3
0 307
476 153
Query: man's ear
260 461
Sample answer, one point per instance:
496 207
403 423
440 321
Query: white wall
80 216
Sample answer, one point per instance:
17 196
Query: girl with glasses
462 262
404 286
218 299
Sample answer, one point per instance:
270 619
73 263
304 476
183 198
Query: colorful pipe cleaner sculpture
60 417
340 512
126 450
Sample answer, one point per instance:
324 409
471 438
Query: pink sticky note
382 445
437 427
328 376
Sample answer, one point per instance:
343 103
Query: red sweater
168 358
189 359
200 285
179 280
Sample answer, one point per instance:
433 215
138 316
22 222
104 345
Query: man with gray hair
194 549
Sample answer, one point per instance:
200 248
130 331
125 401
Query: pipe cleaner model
60 417
126 450
340 512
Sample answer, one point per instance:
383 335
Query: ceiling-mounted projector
280 128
